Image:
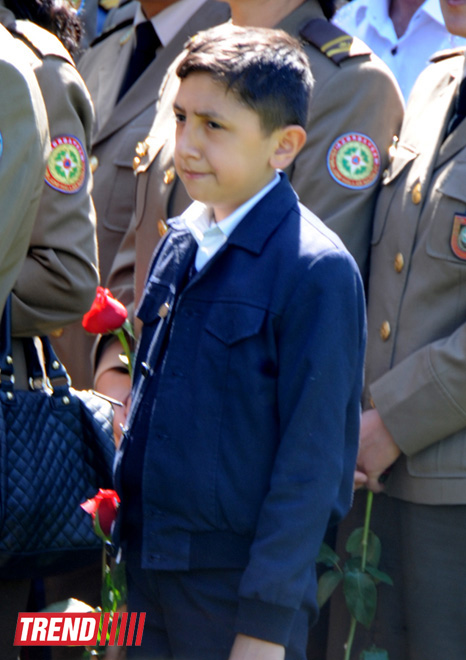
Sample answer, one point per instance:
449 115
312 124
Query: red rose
103 509
106 314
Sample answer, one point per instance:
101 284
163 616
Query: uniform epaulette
41 41
445 54
116 28
333 42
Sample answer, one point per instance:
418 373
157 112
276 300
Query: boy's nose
187 143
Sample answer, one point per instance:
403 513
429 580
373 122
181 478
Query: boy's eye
179 117
214 125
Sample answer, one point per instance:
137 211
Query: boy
243 430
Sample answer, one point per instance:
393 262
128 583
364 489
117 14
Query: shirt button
163 310
416 195
385 330
399 262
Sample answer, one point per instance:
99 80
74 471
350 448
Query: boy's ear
290 140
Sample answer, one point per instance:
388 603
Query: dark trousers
191 615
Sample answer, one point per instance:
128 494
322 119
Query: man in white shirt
403 33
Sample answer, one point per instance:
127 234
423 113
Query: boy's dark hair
328 7
53 15
265 69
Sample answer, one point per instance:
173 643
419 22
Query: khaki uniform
57 282
355 98
415 377
24 148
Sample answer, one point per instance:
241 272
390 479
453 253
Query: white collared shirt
168 22
408 55
211 235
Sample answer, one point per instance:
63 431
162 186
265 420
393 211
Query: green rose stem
365 536
120 333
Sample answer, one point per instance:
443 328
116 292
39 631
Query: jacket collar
259 224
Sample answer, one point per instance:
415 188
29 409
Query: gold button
162 227
163 310
385 330
93 163
416 195
57 333
141 149
169 176
399 262
136 162
392 148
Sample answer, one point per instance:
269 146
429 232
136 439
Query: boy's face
222 154
454 13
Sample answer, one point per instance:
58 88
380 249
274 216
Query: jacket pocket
234 322
449 205
445 459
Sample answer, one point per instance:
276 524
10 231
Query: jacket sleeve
431 379
24 145
57 283
374 108
321 346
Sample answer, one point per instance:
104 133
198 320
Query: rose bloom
103 509
106 314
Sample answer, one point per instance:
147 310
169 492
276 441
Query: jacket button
399 262
385 330
145 369
136 162
93 163
163 310
169 176
141 149
416 195
162 227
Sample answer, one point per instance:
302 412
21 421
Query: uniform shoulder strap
112 30
333 42
41 41
441 55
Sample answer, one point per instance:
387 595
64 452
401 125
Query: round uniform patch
66 165
353 161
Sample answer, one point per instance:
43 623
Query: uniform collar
168 21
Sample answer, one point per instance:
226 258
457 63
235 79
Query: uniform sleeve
358 102
431 379
24 145
321 346
57 283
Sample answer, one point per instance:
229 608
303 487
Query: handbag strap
56 374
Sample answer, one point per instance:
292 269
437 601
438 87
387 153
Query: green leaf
360 595
374 654
327 556
355 548
328 582
379 575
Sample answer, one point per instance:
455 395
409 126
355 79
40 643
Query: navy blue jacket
253 427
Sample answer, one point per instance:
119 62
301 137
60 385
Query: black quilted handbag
56 451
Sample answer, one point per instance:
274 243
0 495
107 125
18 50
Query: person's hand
377 449
359 479
250 648
117 385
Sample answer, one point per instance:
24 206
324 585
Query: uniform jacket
356 95
24 148
254 430
417 295
57 282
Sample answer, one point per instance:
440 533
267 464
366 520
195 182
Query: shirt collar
379 10
167 23
199 219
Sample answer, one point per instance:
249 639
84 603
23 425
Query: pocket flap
233 322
